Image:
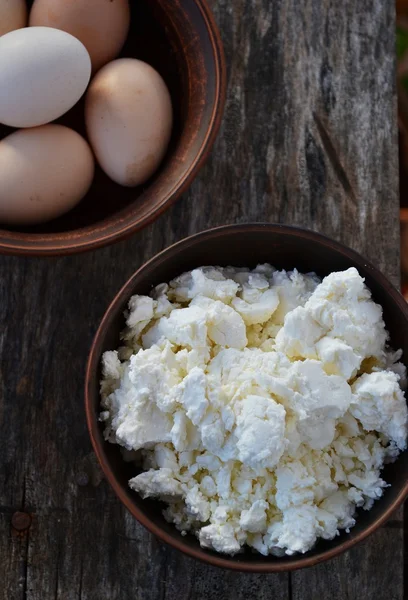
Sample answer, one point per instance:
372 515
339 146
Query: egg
44 172
101 25
43 73
13 15
128 117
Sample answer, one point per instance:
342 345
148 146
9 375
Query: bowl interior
159 34
285 248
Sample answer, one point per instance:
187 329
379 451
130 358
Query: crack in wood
164 580
23 499
334 159
27 543
290 591
81 574
57 572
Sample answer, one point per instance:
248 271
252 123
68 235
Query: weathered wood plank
367 571
309 138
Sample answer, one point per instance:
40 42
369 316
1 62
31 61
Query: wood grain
309 138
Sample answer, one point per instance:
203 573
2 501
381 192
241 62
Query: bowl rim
75 241
99 444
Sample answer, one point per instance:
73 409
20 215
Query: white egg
43 73
44 172
129 119
13 15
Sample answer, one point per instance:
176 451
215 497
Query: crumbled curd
260 404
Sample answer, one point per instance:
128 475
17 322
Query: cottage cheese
261 405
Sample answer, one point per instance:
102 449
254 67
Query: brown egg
13 15
101 25
128 115
44 172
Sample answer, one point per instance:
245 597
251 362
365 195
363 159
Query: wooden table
309 138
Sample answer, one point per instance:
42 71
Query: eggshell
44 172
101 25
13 15
128 116
43 73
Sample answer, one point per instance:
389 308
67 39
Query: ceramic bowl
181 40
244 245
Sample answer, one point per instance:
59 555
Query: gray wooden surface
309 138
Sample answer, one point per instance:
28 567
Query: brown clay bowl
181 40
244 245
